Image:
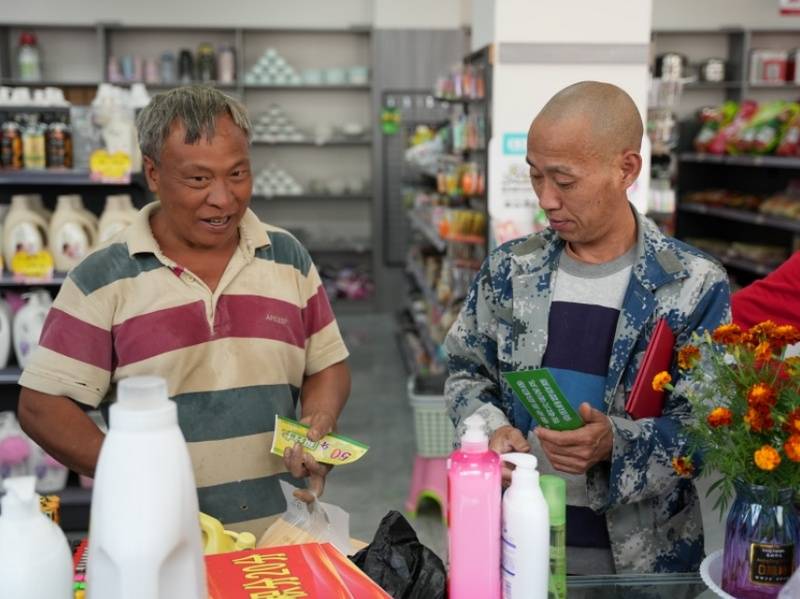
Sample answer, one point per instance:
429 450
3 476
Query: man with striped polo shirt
229 310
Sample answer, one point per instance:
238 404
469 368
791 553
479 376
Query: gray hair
196 107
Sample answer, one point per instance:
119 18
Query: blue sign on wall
515 144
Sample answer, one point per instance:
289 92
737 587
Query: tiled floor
378 413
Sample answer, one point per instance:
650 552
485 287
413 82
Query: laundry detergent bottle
35 560
28 324
24 229
73 232
117 215
144 536
526 532
474 486
5 332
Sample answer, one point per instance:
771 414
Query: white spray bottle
526 532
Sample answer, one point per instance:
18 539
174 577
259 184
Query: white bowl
711 573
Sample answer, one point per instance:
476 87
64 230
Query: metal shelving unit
754 218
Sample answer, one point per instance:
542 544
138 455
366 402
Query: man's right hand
507 439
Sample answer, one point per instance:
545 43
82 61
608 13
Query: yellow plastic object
218 540
331 449
34 266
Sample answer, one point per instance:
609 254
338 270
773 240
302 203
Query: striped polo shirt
233 359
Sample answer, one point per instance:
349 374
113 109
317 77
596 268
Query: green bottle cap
554 490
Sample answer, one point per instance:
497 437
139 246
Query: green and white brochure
543 398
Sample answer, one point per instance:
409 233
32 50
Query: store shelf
312 144
754 218
787 85
460 100
415 271
751 266
704 85
58 177
428 230
30 109
10 375
306 87
7 280
315 196
421 324
47 83
744 160
164 86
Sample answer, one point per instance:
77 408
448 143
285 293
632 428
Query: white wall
418 14
714 14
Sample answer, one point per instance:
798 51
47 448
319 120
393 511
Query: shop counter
633 586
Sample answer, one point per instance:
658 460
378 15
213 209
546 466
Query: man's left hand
574 452
302 464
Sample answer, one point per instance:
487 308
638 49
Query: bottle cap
20 500
525 470
554 490
475 437
143 404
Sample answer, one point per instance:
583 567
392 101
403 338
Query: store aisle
378 414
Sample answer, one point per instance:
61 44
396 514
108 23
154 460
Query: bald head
613 121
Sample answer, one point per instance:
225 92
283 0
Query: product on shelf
767 127
769 255
463 82
59 145
275 181
186 73
348 283
724 198
11 146
33 147
72 232
206 63
781 205
28 324
29 61
117 215
273 69
24 228
226 65
768 66
274 126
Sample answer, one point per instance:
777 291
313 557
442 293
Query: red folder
644 401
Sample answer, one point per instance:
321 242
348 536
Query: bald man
582 299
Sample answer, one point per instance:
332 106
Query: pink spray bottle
474 491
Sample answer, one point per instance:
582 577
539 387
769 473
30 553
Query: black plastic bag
400 564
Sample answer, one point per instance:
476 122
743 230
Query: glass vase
762 542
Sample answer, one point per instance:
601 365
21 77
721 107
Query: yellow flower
792 448
785 334
767 458
661 381
761 394
763 351
727 333
683 466
720 417
688 357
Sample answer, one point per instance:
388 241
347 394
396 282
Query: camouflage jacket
653 516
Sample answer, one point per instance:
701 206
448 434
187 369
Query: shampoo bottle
554 490
144 535
474 486
526 532
35 560
73 231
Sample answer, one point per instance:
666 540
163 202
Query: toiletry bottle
15 449
526 532
554 490
144 531
73 232
29 59
5 332
35 560
24 229
474 486
117 215
28 324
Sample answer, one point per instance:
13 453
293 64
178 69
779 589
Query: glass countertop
634 586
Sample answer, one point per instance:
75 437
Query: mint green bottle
554 490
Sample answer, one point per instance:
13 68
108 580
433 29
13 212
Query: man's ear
631 167
151 173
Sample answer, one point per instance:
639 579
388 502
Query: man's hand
576 451
302 464
507 439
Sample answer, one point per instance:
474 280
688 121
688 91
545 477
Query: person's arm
641 457
61 428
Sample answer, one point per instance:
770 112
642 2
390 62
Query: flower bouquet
745 428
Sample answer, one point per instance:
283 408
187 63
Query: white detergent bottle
73 232
28 324
5 333
118 214
35 560
35 202
24 229
526 532
144 537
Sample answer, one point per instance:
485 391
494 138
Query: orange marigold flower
720 417
767 458
759 419
763 330
792 425
683 466
727 333
688 357
792 448
761 394
661 380
785 334
763 352
793 363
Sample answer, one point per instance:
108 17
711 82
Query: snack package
762 134
728 136
331 449
713 118
790 141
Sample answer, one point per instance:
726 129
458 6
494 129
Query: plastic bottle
117 215
35 560
526 532
15 449
474 484
28 58
28 324
73 232
144 534
24 229
5 333
554 490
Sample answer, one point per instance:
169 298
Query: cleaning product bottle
35 560
117 215
28 324
5 333
73 231
474 485
144 536
15 450
554 490
25 229
51 475
526 532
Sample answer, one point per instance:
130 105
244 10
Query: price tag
37 266
107 167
